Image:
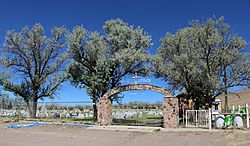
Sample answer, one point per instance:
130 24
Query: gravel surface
58 135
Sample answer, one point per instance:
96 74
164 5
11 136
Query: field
142 121
129 117
153 121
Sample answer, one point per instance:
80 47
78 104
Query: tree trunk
95 110
225 92
29 108
34 108
226 101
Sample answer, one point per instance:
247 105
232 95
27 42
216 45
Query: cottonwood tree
205 59
101 60
34 63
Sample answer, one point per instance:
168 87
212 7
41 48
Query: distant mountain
238 97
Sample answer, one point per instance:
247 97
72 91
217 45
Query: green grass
10 119
136 121
50 119
143 121
66 120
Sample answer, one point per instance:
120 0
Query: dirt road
68 136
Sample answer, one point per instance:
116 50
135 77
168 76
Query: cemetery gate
170 104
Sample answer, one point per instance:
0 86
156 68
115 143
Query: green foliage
34 63
197 57
100 61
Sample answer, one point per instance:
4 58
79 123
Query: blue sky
156 17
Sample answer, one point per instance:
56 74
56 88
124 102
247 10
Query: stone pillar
170 112
104 112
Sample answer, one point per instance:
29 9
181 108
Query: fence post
186 119
183 115
247 115
209 119
196 117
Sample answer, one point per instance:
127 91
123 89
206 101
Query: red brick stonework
170 104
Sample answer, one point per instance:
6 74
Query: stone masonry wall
170 104
170 112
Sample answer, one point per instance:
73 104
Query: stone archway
170 104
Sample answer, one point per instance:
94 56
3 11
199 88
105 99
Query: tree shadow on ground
149 121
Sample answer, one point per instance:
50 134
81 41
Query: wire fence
134 114
81 109
138 116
